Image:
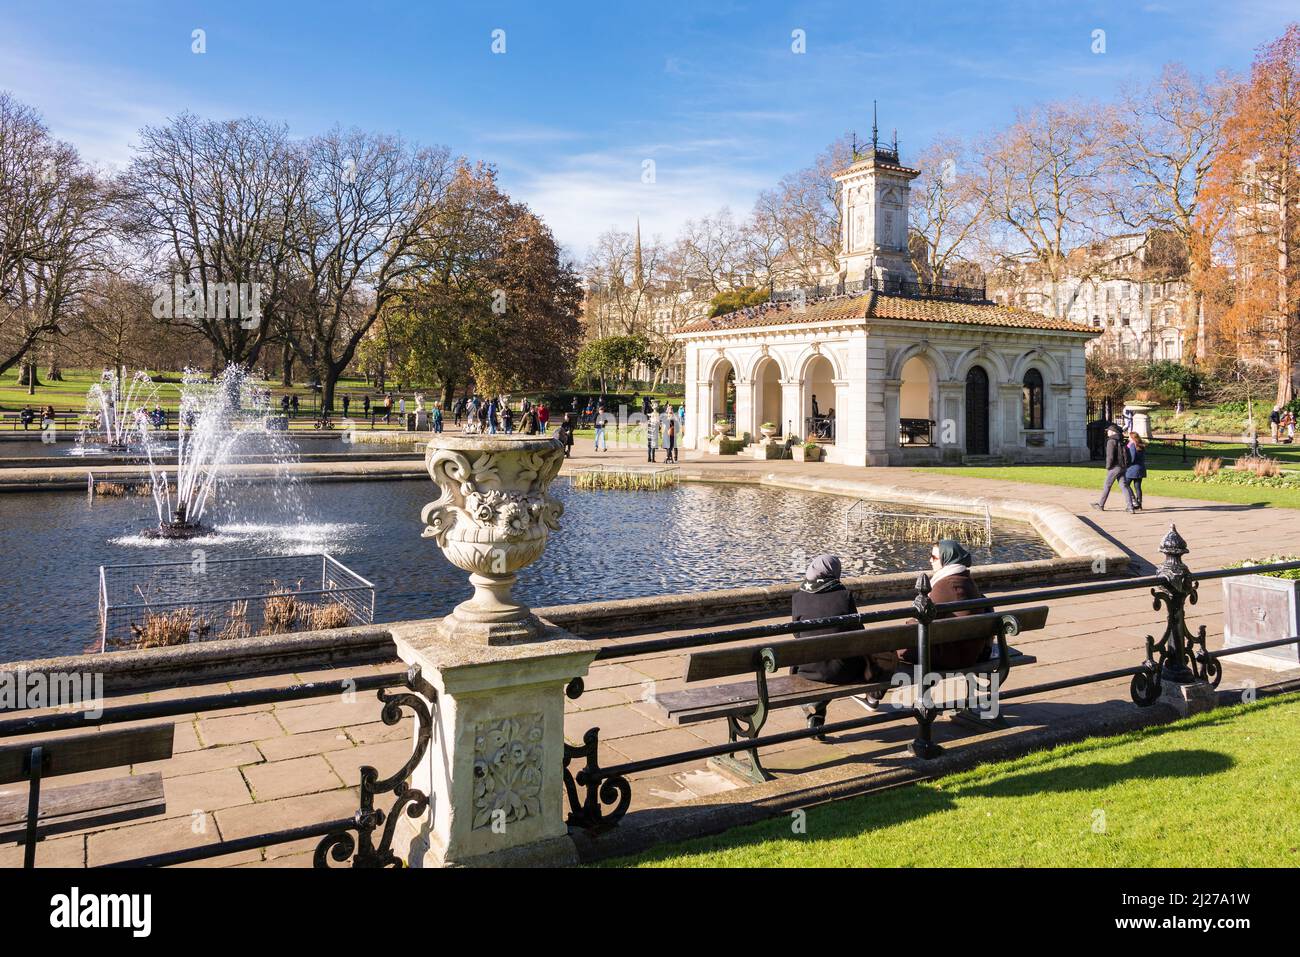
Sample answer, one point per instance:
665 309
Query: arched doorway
916 403
977 411
724 393
767 395
819 400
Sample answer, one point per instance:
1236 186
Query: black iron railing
600 796
916 432
359 838
886 285
819 428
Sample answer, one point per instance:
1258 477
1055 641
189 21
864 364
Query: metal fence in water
168 603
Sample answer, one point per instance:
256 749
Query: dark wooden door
977 411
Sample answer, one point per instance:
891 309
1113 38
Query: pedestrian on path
1137 468
1116 468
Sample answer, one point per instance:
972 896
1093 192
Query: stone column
492 674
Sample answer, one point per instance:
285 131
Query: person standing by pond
1116 467
599 425
670 437
651 436
347 401
1137 468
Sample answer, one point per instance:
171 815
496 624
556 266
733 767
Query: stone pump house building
881 370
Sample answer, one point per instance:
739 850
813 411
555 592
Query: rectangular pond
612 544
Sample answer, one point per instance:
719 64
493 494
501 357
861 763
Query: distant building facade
1140 312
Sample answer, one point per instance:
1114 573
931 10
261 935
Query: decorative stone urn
769 430
721 428
492 519
1141 412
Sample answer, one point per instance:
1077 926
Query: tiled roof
874 305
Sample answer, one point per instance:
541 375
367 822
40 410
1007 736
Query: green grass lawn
1220 789
69 395
1164 469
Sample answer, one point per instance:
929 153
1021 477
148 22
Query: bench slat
79 806
691 705
725 662
89 752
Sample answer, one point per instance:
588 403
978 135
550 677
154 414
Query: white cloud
582 196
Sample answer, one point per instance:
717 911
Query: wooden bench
26 818
746 704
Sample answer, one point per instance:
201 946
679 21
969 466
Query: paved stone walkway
256 769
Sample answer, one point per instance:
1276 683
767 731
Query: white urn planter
492 519
721 429
768 431
1262 608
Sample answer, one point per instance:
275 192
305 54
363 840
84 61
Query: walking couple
1127 462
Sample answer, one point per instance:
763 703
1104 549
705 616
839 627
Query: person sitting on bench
950 580
823 595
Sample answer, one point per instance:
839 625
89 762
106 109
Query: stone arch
995 365
937 362
918 389
721 370
759 356
808 355
768 403
1046 363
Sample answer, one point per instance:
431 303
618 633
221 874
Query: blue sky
586 92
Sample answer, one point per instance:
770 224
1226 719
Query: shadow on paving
889 739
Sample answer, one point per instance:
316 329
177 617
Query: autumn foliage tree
1257 185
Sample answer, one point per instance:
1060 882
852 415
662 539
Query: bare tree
715 251
369 199
211 204
1040 182
806 206
619 283
946 210
53 228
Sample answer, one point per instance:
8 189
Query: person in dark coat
1116 465
823 595
565 434
1137 468
528 424
950 580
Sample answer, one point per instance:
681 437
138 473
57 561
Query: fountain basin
177 530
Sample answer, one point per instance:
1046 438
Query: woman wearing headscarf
823 595
950 580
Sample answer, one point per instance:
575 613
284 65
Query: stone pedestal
494 767
1195 697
